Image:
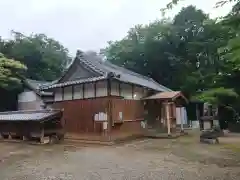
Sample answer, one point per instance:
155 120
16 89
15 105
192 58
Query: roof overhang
167 96
36 89
74 82
31 115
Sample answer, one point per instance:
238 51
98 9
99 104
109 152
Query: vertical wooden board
79 113
131 109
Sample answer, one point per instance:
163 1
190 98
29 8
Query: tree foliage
192 53
39 57
45 57
181 54
217 96
10 72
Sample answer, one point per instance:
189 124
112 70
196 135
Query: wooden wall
132 115
131 109
79 114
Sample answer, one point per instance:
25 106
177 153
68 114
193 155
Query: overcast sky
87 24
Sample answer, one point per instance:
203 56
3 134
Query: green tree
45 57
173 3
10 72
182 54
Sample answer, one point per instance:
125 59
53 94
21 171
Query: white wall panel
78 91
115 88
89 90
101 88
138 93
27 96
126 91
67 93
58 94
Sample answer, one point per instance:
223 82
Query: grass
233 147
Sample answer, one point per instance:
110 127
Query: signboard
101 116
120 116
105 125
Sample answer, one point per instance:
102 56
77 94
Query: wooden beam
83 89
132 91
95 89
109 109
42 135
62 93
168 119
181 115
108 87
119 88
72 92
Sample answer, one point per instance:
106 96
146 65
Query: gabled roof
104 70
173 95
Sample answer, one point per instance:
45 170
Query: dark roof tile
103 68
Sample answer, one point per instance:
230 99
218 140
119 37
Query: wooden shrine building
100 98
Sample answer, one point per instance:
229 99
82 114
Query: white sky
87 24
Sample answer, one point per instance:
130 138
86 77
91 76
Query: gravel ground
146 159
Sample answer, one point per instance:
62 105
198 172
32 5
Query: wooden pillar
110 122
72 92
168 118
42 135
181 118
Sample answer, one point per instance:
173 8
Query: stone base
45 140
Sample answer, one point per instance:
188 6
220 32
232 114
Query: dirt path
146 159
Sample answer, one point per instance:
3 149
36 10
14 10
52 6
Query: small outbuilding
31 125
164 110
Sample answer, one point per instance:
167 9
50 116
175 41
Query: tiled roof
38 115
35 86
167 95
134 78
79 81
103 68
